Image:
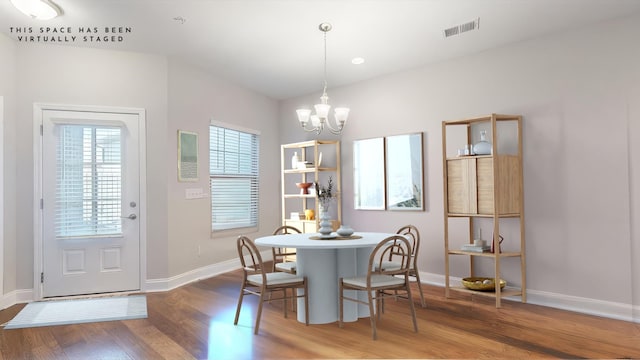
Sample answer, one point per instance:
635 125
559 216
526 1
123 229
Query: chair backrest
396 247
286 229
250 258
413 235
283 253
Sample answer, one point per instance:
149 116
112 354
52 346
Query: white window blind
88 181
233 169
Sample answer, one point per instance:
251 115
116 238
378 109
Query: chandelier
321 117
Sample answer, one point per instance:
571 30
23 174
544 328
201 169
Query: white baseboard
154 285
608 309
16 297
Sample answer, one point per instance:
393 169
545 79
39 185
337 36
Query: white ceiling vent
462 28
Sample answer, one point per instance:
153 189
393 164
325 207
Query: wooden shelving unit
485 186
330 166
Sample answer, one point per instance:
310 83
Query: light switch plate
195 193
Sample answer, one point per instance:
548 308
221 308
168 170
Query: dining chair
284 258
257 281
413 235
379 280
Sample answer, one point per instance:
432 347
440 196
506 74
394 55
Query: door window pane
88 181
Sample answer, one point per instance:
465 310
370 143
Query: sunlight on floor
228 341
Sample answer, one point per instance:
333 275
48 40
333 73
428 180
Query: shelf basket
481 283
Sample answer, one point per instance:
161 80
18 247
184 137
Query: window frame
230 231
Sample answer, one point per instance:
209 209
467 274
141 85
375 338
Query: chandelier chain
325 61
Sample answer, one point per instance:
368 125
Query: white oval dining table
323 262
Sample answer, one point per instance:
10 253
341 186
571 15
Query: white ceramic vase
345 231
483 147
325 220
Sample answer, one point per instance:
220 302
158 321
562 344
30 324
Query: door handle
130 217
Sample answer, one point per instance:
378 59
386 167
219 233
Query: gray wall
8 90
578 93
195 98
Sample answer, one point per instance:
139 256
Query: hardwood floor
196 321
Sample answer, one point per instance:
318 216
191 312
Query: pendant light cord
325 61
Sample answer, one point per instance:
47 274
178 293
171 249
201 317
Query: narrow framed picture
404 172
187 156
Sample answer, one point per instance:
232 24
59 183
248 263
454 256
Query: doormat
64 312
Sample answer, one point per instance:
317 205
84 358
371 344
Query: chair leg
285 294
417 275
235 321
294 300
341 304
306 303
413 308
372 316
379 303
259 314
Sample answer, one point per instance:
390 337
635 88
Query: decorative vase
345 231
325 220
295 159
483 147
304 187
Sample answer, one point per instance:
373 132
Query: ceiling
274 46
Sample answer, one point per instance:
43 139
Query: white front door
90 202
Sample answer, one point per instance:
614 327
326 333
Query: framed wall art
187 156
404 175
368 174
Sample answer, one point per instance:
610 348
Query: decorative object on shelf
321 116
483 147
309 214
304 187
475 248
295 160
320 159
482 283
304 165
345 230
499 245
479 242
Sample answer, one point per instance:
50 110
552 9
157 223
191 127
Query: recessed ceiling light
357 60
38 9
